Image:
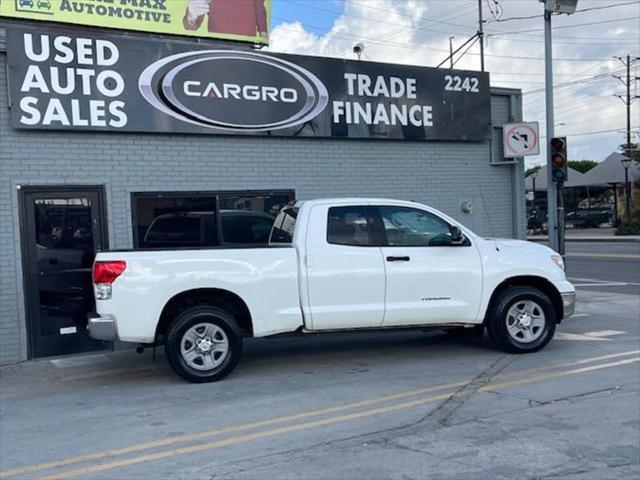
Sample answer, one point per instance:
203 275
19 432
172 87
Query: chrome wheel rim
525 321
204 346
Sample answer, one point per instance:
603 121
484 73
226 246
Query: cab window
410 227
348 226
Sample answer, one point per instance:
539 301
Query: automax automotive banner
242 20
60 80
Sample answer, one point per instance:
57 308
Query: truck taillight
107 271
104 274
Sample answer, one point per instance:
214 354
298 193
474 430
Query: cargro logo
233 91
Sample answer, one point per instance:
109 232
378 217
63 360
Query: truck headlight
557 259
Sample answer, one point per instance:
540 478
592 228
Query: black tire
203 315
498 317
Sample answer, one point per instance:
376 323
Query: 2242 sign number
457 84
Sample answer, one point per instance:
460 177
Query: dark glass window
409 227
284 225
176 221
193 219
247 219
348 226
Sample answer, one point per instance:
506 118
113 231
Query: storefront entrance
61 230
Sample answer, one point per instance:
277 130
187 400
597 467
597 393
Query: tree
582 166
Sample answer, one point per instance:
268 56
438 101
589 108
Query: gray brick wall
439 174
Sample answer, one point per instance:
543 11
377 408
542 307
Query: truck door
345 272
429 280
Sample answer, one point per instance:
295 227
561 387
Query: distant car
587 219
44 4
26 3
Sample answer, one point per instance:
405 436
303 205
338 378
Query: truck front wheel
522 320
203 344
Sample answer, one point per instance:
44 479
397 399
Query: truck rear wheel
203 344
522 320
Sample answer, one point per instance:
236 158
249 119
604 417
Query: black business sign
75 81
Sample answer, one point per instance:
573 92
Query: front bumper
568 303
101 327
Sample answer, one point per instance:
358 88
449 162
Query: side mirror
457 238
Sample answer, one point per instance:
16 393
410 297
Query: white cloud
417 32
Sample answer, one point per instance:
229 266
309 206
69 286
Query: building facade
132 179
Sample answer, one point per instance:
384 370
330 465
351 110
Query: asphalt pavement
401 405
597 266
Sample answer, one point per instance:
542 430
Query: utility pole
481 35
627 148
627 63
451 52
552 195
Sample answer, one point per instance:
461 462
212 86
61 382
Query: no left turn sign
520 139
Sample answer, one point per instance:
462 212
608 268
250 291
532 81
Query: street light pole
626 163
552 220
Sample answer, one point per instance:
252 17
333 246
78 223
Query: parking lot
396 405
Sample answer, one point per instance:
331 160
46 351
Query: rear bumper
101 327
568 303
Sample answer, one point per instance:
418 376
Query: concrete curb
623 238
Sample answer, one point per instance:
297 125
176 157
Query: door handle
398 259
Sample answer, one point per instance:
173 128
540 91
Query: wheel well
231 302
542 284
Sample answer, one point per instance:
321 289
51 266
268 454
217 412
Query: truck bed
265 278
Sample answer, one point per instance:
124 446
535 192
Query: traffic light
559 171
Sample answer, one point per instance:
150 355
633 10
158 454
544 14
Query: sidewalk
589 235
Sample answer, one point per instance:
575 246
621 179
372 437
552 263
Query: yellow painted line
604 255
248 426
551 376
315 424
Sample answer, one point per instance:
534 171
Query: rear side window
348 226
283 227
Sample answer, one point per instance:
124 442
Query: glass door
62 230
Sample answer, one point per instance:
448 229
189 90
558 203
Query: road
399 405
610 266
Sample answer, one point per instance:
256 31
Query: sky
417 32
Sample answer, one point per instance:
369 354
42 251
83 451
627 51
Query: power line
572 82
395 32
400 30
593 133
378 20
570 99
508 19
600 102
431 49
595 41
448 13
567 26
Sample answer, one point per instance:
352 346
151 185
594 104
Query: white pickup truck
330 265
